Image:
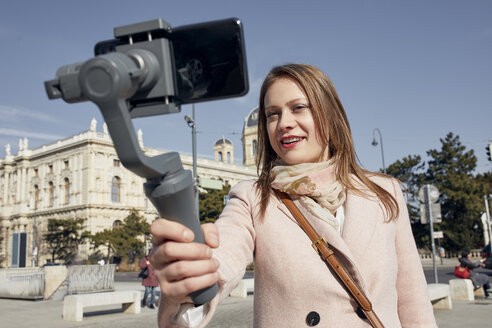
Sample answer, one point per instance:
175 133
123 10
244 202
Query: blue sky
414 69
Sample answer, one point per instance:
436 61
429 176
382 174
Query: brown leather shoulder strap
327 254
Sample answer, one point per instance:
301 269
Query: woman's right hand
181 265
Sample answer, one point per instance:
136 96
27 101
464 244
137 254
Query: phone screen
209 60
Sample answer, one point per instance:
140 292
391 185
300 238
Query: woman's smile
290 141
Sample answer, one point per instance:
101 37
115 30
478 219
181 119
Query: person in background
305 149
150 283
478 279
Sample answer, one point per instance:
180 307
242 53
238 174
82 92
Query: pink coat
151 280
292 281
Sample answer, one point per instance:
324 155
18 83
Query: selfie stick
135 81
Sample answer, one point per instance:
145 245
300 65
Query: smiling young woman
325 113
305 152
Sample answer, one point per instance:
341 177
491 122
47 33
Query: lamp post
487 218
192 125
35 245
34 238
375 143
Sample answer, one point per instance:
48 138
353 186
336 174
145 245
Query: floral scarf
316 186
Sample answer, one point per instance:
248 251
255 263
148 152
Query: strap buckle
315 244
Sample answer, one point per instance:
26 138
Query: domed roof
223 141
252 119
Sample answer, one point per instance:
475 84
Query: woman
306 150
150 283
478 279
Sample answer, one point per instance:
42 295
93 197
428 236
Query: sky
415 70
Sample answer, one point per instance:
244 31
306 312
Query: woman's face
290 125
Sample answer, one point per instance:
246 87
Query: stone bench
463 290
440 296
242 289
73 305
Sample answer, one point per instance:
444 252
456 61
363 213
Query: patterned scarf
316 186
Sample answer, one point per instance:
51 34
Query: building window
220 156
52 193
117 224
229 158
50 168
255 147
116 162
36 196
66 163
35 172
67 191
115 189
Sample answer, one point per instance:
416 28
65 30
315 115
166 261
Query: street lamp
192 125
487 218
375 143
34 250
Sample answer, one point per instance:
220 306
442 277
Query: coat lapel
361 218
355 236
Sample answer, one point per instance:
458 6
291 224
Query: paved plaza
232 313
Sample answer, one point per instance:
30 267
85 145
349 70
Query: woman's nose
287 121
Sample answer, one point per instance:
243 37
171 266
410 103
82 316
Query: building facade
78 177
250 138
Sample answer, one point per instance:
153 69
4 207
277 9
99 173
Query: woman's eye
300 106
271 114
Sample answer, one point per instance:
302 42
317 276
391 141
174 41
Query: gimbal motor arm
110 81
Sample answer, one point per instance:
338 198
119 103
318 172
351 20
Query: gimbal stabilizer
137 80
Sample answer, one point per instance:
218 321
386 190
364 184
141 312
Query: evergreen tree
105 239
410 171
128 240
212 203
64 237
450 169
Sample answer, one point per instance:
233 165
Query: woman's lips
290 141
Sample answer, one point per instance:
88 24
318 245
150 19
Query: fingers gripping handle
174 198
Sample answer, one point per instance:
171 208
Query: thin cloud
12 114
29 134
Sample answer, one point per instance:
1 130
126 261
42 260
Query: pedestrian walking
150 283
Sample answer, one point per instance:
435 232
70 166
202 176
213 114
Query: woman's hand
181 265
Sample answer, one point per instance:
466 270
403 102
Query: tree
410 171
450 169
64 237
486 180
212 204
105 239
128 240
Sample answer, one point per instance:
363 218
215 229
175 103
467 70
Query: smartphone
209 60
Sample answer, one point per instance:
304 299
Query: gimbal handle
108 81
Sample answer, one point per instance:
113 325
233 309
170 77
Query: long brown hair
333 132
